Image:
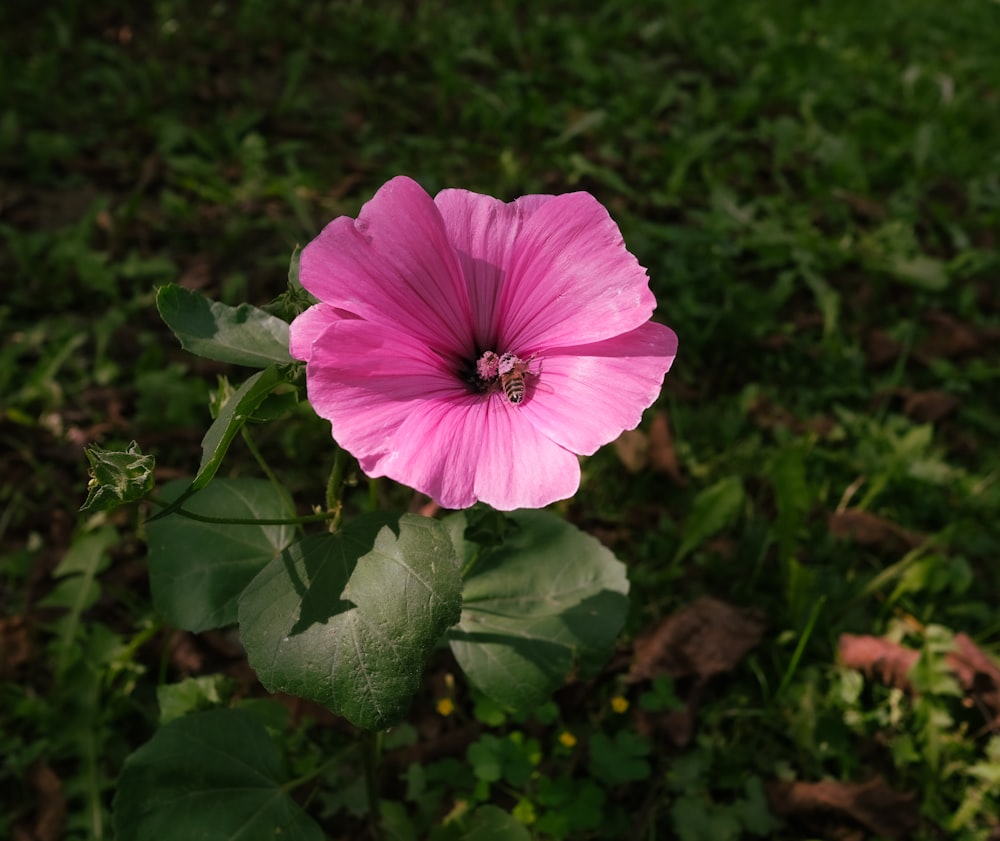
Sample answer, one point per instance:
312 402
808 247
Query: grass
815 190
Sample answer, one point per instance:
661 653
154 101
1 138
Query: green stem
801 647
259 457
247 521
334 486
335 480
315 773
372 748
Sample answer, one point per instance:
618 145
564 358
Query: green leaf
191 694
197 569
920 271
236 411
349 620
77 588
753 811
715 508
620 761
792 498
213 775
117 477
491 823
549 599
243 335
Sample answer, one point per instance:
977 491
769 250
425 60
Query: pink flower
470 348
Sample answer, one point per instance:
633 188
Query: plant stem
371 745
334 485
259 457
246 521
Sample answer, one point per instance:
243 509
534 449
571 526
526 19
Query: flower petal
401 410
394 266
483 231
370 376
308 326
585 396
570 280
482 449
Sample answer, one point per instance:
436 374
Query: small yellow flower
619 704
445 706
567 739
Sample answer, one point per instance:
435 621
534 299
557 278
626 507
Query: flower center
505 371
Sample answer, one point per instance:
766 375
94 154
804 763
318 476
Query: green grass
803 182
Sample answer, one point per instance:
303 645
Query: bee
511 370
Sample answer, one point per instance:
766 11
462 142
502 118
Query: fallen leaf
930 406
949 338
864 206
632 448
878 808
197 273
676 725
662 454
871 530
768 415
881 349
878 658
706 638
185 656
424 507
50 806
977 673
890 663
15 645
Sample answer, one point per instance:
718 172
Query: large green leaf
546 601
198 570
243 335
213 775
349 620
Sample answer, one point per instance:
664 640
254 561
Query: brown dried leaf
662 454
881 348
50 805
878 808
678 726
197 273
871 530
879 658
977 673
948 338
864 206
632 448
185 656
708 637
822 426
890 663
15 645
769 415
423 506
930 406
